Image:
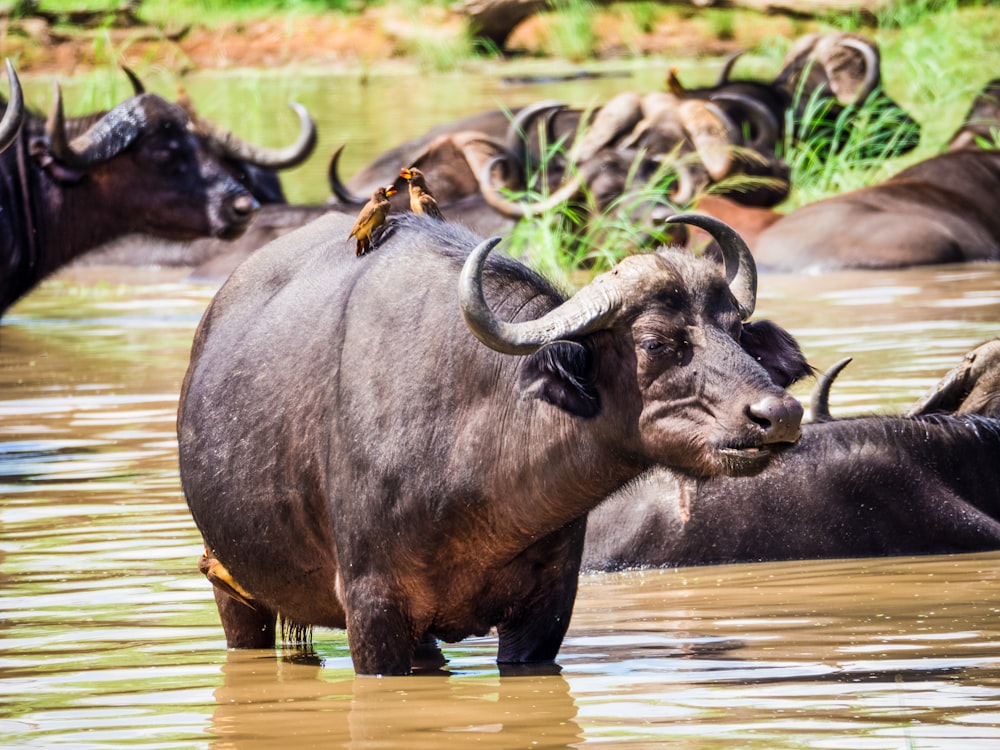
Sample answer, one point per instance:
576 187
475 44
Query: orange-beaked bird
372 216
219 577
421 200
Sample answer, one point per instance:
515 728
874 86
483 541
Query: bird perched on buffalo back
373 215
421 200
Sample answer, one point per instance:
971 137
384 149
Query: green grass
571 29
936 56
577 235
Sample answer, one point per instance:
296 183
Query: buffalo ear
776 350
560 374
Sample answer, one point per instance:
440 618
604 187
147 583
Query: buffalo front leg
535 630
382 637
245 627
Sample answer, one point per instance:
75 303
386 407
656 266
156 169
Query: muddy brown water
109 635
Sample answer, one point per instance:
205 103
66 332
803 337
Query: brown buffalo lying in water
406 444
941 210
924 483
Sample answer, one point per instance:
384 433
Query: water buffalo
940 210
442 491
138 168
821 77
924 483
632 138
628 146
255 167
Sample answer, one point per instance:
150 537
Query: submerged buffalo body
924 483
940 210
851 488
374 443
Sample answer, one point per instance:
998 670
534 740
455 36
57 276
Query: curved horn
764 123
269 158
105 138
712 132
516 210
727 67
137 87
616 118
872 70
13 116
686 185
516 139
741 270
588 310
820 404
337 187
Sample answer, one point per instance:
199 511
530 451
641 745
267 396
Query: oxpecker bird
372 216
219 577
421 200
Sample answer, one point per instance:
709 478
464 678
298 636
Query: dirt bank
377 34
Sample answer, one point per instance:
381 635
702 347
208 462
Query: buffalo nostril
245 205
779 416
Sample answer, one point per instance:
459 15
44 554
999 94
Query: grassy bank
936 54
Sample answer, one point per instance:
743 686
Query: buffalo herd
446 457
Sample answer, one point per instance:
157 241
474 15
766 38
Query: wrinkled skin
406 481
926 483
162 182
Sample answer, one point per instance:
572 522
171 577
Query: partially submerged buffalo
407 444
253 166
924 483
940 210
137 168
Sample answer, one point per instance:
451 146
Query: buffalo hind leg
245 627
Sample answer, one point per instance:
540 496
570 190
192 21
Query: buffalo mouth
748 460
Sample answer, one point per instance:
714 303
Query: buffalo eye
666 349
168 157
652 347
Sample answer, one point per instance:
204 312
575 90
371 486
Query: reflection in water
480 710
110 635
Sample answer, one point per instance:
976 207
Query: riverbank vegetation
936 55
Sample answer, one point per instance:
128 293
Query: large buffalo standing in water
406 444
142 167
924 483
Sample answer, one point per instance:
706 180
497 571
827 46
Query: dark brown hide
941 210
927 483
405 480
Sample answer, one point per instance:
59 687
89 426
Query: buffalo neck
549 469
